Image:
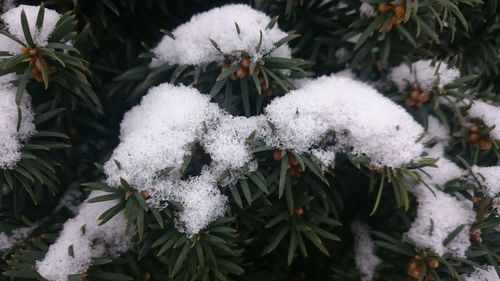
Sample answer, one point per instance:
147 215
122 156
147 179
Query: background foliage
284 224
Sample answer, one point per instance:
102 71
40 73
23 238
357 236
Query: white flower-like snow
157 136
192 45
12 19
88 240
489 178
348 113
10 138
423 75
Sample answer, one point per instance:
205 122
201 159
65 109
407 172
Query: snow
17 235
12 19
89 240
437 216
367 10
11 139
440 214
437 131
173 119
190 119
364 251
490 115
487 273
446 170
488 177
423 75
363 121
192 45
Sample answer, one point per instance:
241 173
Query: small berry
293 160
474 129
384 8
424 97
474 137
433 263
245 62
241 73
299 211
277 155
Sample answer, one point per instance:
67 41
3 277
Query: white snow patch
364 251
437 216
170 120
490 115
364 121
489 177
367 10
10 138
487 273
17 235
423 75
12 19
88 240
192 44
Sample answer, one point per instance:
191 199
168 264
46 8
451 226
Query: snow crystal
10 138
226 142
437 131
192 40
170 120
18 234
87 239
487 274
351 114
346 73
490 115
364 251
367 10
12 19
324 156
489 177
438 215
201 203
443 173
423 75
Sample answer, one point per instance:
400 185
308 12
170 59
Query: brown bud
293 160
384 8
415 269
474 129
24 50
299 211
415 94
433 263
241 73
233 76
245 62
424 97
145 194
277 155
474 137
399 12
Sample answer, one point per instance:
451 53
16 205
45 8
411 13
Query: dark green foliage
285 222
